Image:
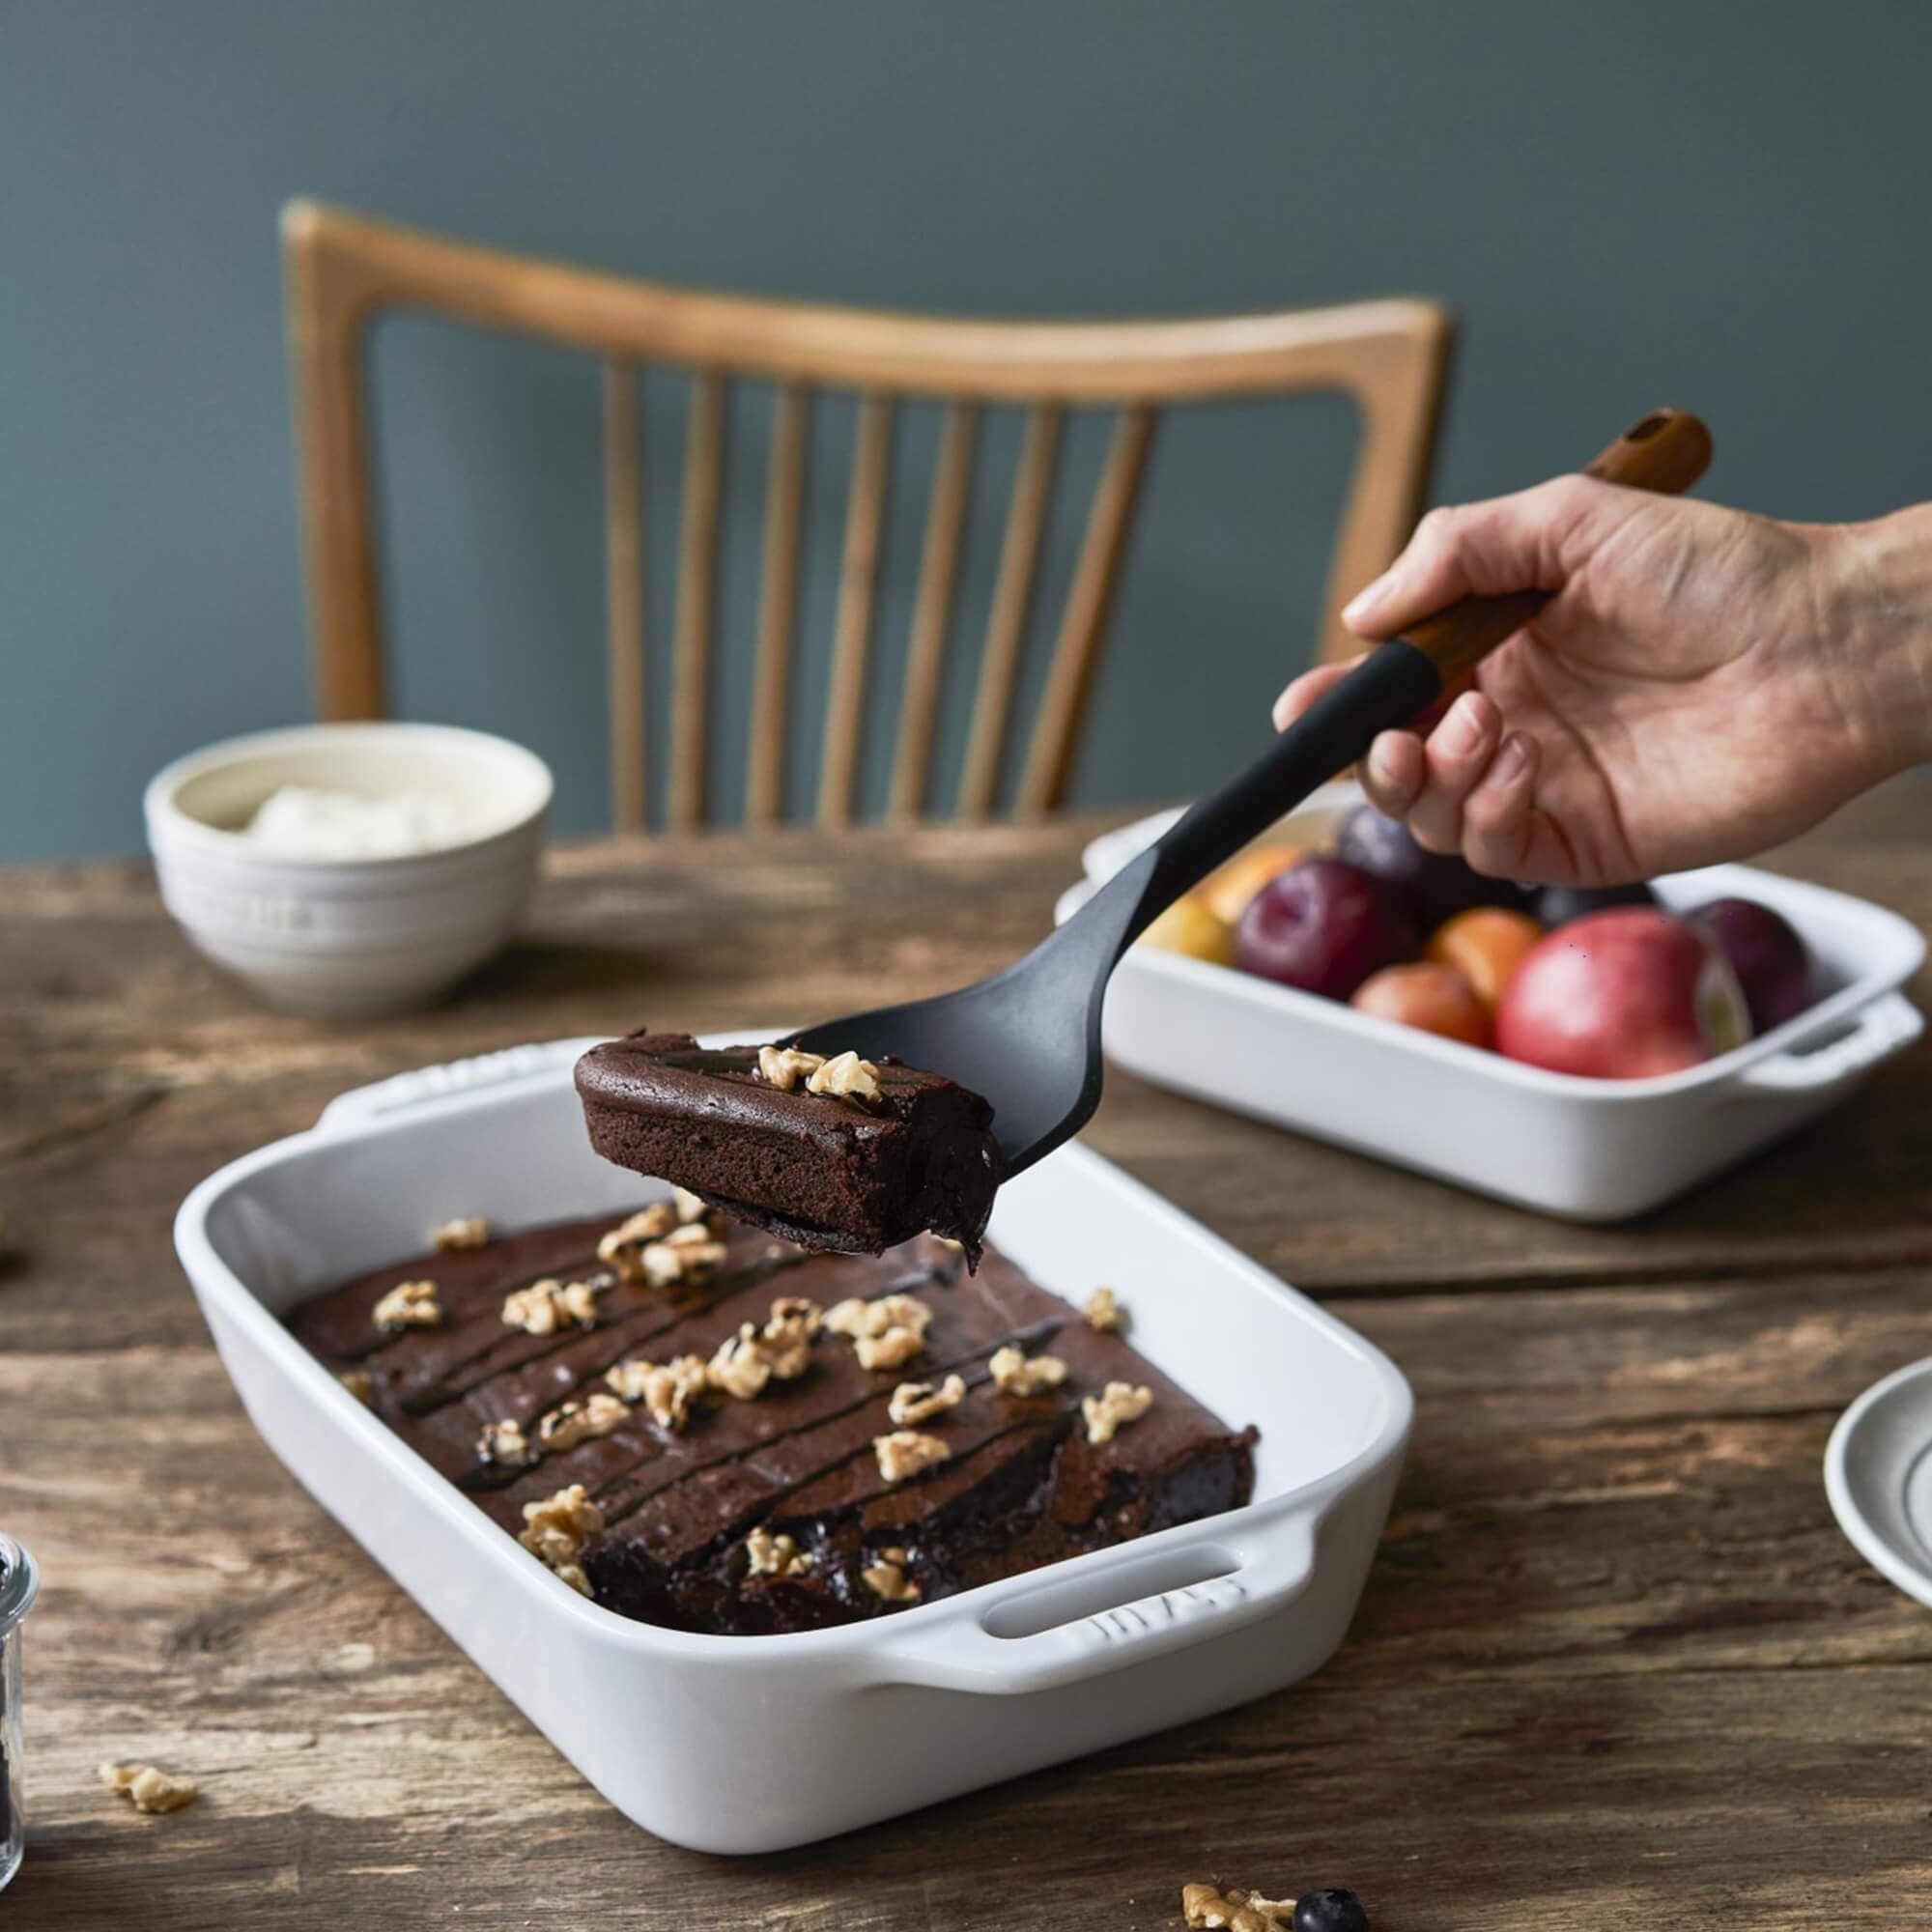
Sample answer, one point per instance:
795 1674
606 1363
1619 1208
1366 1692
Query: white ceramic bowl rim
20 1582
525 775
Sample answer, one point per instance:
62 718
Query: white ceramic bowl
751 1743
1586 1150
343 938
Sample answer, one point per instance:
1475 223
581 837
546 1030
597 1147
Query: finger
1498 816
1393 772
1308 686
1489 549
1459 754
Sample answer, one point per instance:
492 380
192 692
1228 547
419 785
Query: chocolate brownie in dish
698 1426
837 1154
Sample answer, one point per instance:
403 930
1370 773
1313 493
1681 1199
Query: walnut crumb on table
148 1789
1208 1908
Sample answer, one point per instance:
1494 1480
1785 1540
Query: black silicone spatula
1029 1038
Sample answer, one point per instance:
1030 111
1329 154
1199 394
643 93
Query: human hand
1702 684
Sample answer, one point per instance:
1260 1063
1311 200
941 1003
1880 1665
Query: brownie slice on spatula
838 1153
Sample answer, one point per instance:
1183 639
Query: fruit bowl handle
1886 1027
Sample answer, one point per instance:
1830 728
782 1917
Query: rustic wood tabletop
1615 1665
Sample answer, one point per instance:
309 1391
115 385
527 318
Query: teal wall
1715 205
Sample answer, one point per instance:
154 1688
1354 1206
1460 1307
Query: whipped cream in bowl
350 870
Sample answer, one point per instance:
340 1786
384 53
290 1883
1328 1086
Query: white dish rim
1308 1501
1915 1580
186 832
1831 1014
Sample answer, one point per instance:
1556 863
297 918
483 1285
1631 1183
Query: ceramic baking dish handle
411 1093
1886 1027
974 1649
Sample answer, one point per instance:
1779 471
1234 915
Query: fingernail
1462 728
1366 599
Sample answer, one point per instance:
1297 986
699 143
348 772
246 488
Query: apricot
1486 945
1227 892
1189 928
1430 996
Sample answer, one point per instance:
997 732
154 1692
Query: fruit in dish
1435 886
837 1154
1430 997
1622 995
1770 961
1486 944
1191 930
1324 926
1228 891
701 1427
1553 906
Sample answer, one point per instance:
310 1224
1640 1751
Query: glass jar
18 1580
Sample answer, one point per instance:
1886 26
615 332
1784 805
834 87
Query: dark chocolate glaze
1022 1486
829 1173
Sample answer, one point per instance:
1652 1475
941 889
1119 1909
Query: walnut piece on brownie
915 1401
410 1304
769 1556
1016 1373
905 1452
887 1576
467 1231
1113 1409
1104 1312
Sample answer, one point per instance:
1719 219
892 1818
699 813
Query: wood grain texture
1615 1665
624 594
697 596
343 269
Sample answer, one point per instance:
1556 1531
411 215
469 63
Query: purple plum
1435 886
1324 926
1768 958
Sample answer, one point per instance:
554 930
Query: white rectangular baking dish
1586 1150
753 1743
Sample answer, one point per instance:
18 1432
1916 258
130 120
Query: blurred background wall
1719 205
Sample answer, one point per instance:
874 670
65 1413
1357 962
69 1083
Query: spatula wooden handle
1667 453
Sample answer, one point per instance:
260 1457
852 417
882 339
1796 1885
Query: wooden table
1616 1667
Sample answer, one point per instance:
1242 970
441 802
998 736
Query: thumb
1523 542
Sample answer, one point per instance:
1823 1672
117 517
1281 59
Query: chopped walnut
893 1349
575 1422
506 1444
1103 1311
148 1789
1113 1409
465 1232
357 1381
1208 1908
623 1246
913 1401
410 1304
847 1076
667 1389
787 1335
548 1305
739 1368
856 1318
556 1529
785 1066
573 1574
692 1208
905 1452
886 1577
778 1555
1014 1375
689 1253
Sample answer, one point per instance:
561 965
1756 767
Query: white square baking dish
752 1743
1586 1150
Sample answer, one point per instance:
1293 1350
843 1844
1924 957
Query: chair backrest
343 269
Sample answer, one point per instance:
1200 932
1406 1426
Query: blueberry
1332 1908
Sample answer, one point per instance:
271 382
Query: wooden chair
343 269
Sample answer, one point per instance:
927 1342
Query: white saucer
1878 1474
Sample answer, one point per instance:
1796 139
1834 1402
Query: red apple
1622 995
1324 926
1768 958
